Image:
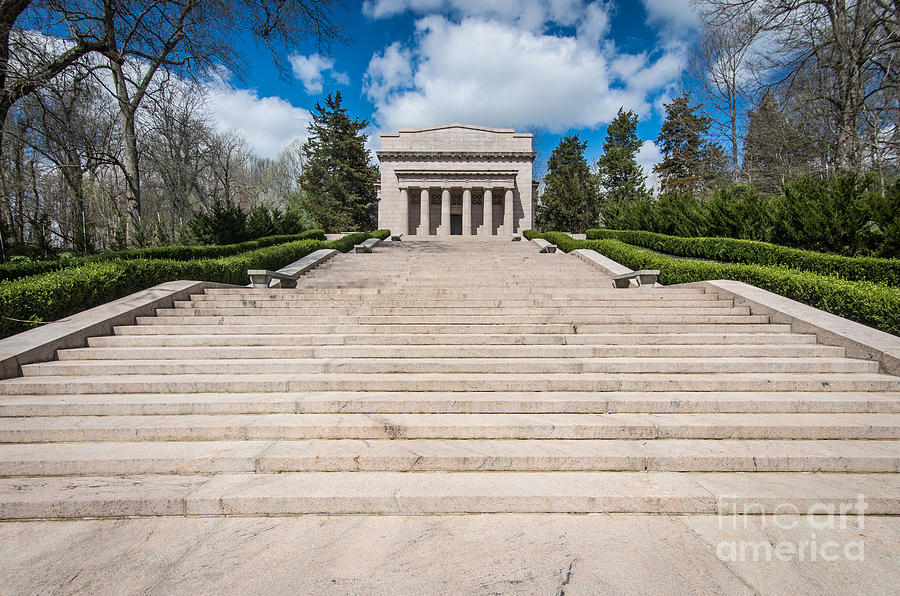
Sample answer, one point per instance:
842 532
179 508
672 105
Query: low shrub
60 293
730 250
865 302
179 253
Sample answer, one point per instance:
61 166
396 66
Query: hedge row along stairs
449 376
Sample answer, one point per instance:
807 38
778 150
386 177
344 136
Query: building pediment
456 138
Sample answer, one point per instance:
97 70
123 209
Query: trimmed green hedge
178 253
865 302
58 294
751 252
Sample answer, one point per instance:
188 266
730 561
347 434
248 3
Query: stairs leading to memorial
471 375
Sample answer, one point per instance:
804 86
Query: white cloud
648 156
529 14
676 19
268 123
388 71
496 73
310 70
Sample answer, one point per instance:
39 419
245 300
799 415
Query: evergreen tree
690 164
775 149
620 176
224 223
570 200
338 179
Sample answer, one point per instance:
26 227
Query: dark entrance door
456 225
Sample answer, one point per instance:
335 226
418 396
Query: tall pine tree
570 200
621 178
690 164
338 179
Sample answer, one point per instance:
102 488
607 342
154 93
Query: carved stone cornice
456 155
456 179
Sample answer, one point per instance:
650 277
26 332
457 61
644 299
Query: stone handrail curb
367 245
261 278
41 344
859 340
544 245
605 263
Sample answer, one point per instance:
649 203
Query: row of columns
444 227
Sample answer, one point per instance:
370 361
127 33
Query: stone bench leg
260 280
646 279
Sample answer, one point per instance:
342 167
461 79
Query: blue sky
563 65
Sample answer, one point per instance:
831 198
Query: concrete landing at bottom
469 554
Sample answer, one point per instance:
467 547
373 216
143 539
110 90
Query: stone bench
517 237
396 237
286 277
368 245
544 245
643 277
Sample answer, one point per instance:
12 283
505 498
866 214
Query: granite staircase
453 376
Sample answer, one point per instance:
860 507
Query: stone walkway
469 554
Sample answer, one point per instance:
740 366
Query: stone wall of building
455 157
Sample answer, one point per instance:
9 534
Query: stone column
404 211
467 212
508 212
424 218
444 228
488 204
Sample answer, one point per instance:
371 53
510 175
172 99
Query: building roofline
457 125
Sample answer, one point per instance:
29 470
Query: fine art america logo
820 532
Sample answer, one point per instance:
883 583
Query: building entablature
455 155
455 179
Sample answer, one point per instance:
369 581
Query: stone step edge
159 404
421 455
859 340
40 344
422 493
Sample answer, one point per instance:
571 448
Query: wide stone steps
468 320
448 426
455 351
352 455
362 365
443 307
443 492
563 291
177 327
470 402
413 339
533 314
650 382
433 378
637 296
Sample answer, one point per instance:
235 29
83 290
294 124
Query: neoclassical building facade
456 179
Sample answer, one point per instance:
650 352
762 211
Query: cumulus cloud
648 156
675 19
497 73
311 70
530 14
388 71
268 123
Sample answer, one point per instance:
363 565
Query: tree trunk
131 158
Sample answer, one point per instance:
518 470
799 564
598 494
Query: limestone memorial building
456 179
